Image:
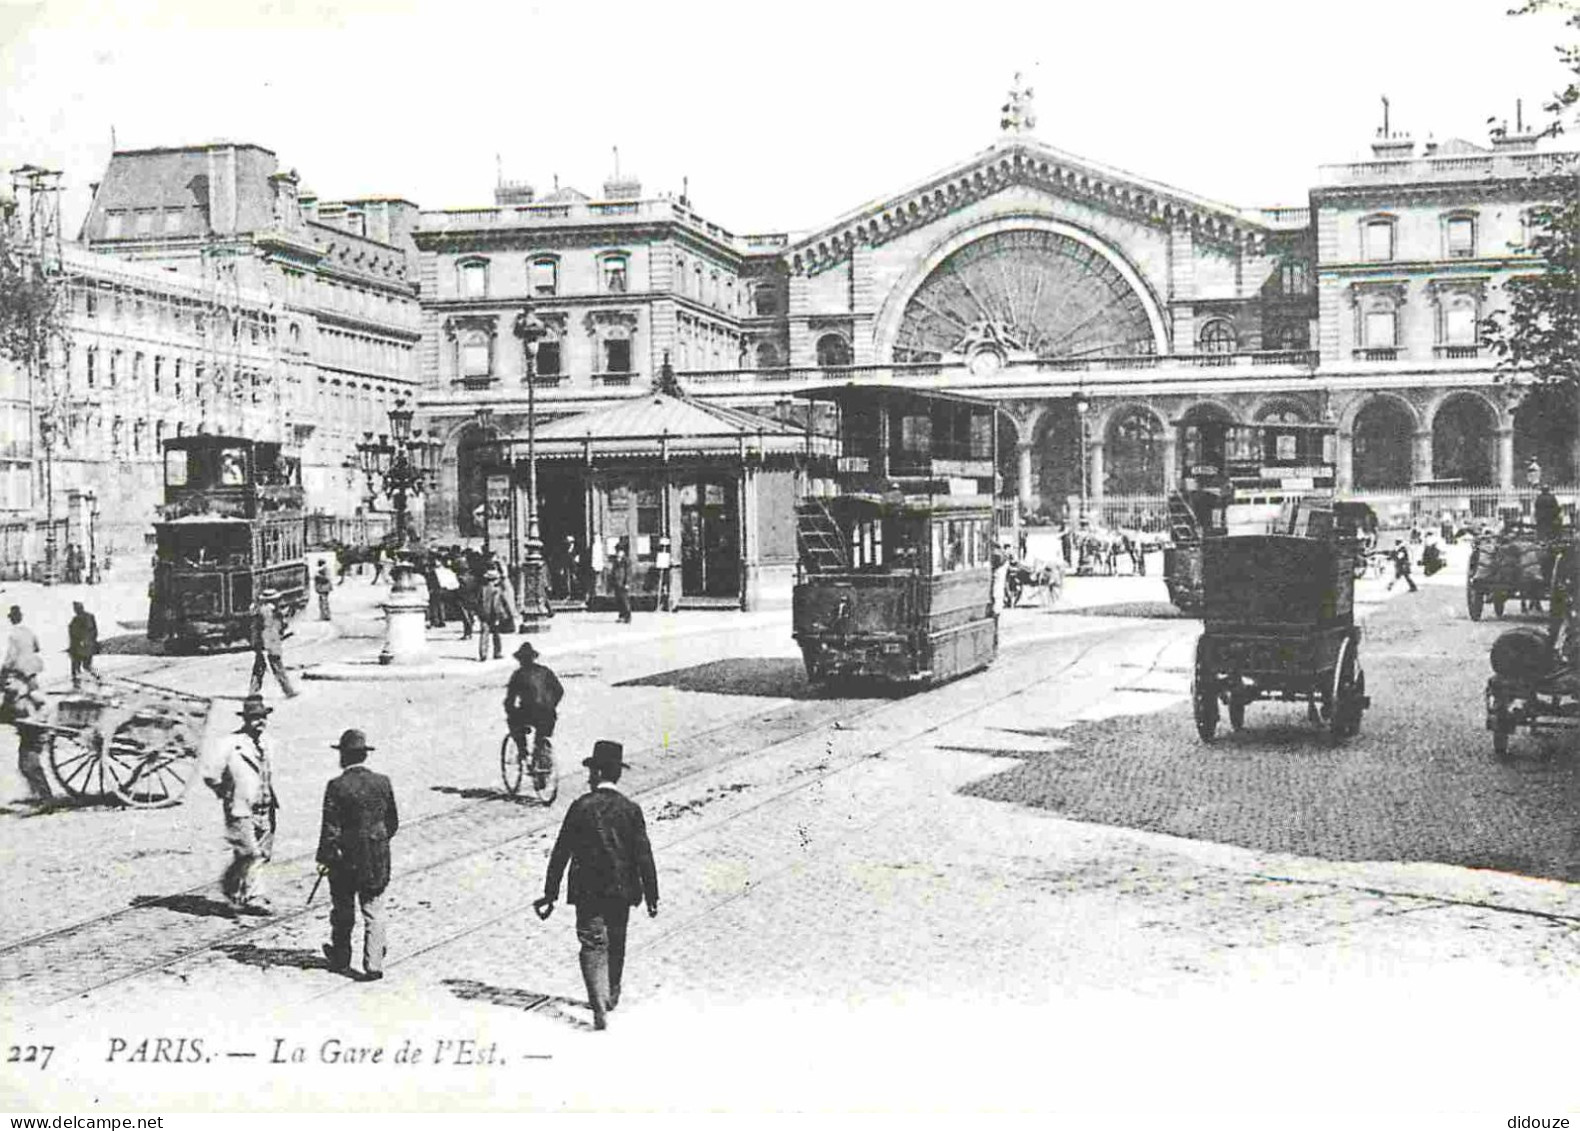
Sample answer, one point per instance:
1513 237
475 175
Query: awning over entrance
664 424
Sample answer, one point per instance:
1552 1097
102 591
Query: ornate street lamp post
535 610
402 461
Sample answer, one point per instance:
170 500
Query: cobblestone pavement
1417 783
844 923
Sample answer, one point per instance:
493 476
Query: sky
782 117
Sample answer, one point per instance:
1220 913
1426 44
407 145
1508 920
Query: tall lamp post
401 461
46 435
535 610
1081 407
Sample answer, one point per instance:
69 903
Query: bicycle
537 766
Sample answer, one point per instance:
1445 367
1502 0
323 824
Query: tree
29 314
1537 338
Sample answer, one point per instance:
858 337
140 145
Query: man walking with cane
604 840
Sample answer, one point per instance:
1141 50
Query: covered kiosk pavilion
720 485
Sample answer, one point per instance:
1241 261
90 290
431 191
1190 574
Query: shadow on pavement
187 904
263 957
528 1001
131 644
768 677
1147 610
475 794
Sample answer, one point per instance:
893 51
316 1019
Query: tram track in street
802 783
97 936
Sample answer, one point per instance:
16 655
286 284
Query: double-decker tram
894 582
1234 479
232 528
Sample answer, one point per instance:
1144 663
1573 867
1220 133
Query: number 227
30 1054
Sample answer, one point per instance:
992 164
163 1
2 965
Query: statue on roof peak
1017 116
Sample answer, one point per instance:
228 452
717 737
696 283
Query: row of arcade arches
1388 451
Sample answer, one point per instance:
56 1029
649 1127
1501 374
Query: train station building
1102 311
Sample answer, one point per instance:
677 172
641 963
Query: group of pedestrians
602 842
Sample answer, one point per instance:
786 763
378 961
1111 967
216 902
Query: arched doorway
1384 431
1057 458
471 480
1544 430
1133 454
1465 441
1203 437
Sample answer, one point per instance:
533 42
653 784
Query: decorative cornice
1474 285
1022 164
456 323
1396 289
596 318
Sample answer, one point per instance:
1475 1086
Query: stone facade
1099 309
339 279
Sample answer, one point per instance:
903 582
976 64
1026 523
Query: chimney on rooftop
514 192
1519 139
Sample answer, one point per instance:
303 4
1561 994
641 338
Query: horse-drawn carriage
134 742
1279 624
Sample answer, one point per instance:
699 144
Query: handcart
133 741
1280 624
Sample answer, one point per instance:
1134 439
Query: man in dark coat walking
359 821
82 643
604 840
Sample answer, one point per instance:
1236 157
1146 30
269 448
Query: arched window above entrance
832 350
1217 336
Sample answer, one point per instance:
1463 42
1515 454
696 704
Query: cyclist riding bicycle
532 699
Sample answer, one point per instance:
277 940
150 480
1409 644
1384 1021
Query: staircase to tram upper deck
819 543
1184 527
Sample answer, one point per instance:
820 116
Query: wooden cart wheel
153 765
1344 704
1502 726
83 767
1204 695
1501 730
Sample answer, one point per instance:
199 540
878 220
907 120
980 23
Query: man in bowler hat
604 840
359 821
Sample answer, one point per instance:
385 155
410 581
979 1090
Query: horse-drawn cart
1279 624
1515 564
132 741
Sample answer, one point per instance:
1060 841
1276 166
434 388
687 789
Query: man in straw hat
532 700
239 768
268 644
604 840
359 821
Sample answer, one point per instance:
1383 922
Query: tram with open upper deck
895 574
231 528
